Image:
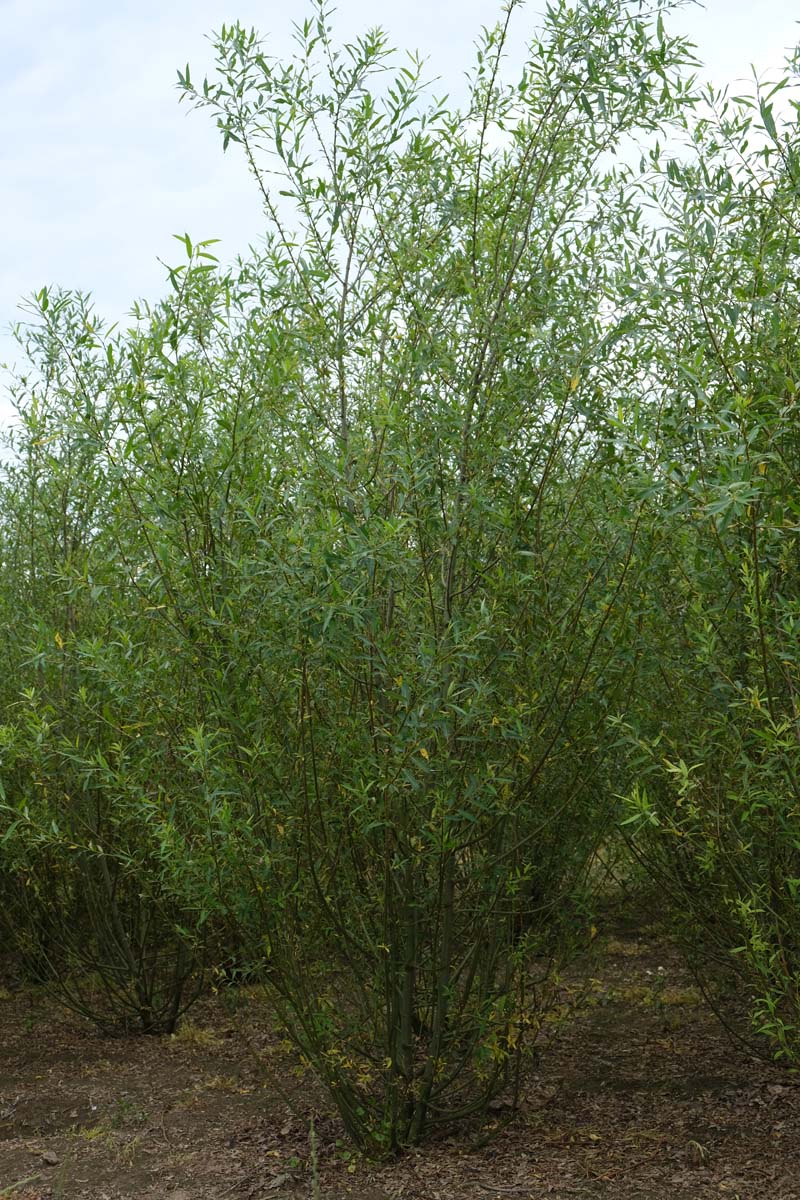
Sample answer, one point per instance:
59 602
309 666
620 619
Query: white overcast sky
100 165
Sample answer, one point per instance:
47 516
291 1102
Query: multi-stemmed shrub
716 804
327 671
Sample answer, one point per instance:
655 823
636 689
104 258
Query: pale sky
100 165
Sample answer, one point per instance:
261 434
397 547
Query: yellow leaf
59 641
573 383
424 753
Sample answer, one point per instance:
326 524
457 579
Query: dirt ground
638 1095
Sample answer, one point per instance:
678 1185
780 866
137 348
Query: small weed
127 1151
624 949
126 1112
193 1035
95 1133
688 997
222 1083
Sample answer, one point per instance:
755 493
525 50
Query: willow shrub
714 814
369 546
93 911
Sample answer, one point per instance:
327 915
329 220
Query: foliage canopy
346 591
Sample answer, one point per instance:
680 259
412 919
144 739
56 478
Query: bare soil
639 1094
